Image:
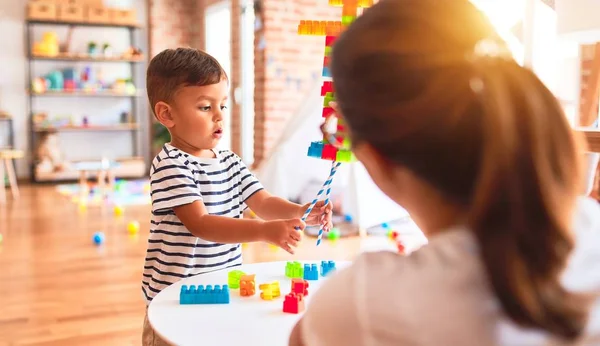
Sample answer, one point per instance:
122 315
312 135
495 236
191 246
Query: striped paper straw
326 185
334 167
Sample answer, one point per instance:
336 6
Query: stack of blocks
247 285
327 267
233 278
204 295
294 301
293 270
269 291
311 272
325 150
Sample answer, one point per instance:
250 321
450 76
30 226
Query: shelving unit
130 167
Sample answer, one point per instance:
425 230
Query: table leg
2 187
102 182
12 177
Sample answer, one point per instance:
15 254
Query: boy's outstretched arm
222 229
269 207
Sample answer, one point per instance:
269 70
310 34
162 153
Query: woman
478 150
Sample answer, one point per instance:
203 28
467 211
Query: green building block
328 51
233 278
347 20
327 99
294 270
344 156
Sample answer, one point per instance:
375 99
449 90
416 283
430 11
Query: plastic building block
320 28
293 303
329 152
270 291
344 156
315 149
327 111
328 98
204 295
233 278
328 51
300 286
247 285
347 20
311 272
293 270
326 72
327 267
327 87
330 40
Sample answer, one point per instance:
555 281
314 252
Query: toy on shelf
247 285
335 145
48 46
311 272
92 49
269 291
293 303
204 295
300 286
133 53
233 278
327 267
293 270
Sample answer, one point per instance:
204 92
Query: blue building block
326 72
204 295
327 267
315 149
311 272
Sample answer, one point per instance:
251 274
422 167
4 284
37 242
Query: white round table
248 321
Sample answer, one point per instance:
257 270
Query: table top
95 165
248 321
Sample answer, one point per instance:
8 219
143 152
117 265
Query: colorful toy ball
133 227
334 234
98 238
348 218
118 210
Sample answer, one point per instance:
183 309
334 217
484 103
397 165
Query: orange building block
293 303
247 285
300 286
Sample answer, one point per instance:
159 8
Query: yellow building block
320 28
270 291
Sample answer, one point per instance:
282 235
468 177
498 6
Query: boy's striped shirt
177 178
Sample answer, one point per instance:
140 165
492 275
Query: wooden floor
58 288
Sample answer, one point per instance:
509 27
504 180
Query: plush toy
49 155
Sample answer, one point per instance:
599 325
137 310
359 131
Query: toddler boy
199 193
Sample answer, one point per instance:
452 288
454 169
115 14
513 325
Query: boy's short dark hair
172 69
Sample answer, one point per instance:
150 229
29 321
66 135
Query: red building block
293 303
326 61
327 111
327 87
329 40
300 286
329 152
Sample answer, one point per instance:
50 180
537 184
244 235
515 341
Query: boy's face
195 117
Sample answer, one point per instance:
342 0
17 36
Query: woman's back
440 296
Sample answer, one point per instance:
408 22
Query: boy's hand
321 214
283 233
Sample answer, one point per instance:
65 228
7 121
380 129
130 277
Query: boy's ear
163 114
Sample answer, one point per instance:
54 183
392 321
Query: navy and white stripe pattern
223 184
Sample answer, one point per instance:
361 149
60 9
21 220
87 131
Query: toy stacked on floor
335 145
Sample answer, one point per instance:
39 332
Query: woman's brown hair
482 130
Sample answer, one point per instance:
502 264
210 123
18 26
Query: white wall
13 85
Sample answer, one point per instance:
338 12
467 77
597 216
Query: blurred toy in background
107 50
125 86
70 82
49 157
48 46
92 48
132 53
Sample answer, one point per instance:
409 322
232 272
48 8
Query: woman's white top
440 296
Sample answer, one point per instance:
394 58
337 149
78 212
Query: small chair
6 165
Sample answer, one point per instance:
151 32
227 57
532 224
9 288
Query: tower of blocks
311 272
204 295
324 149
